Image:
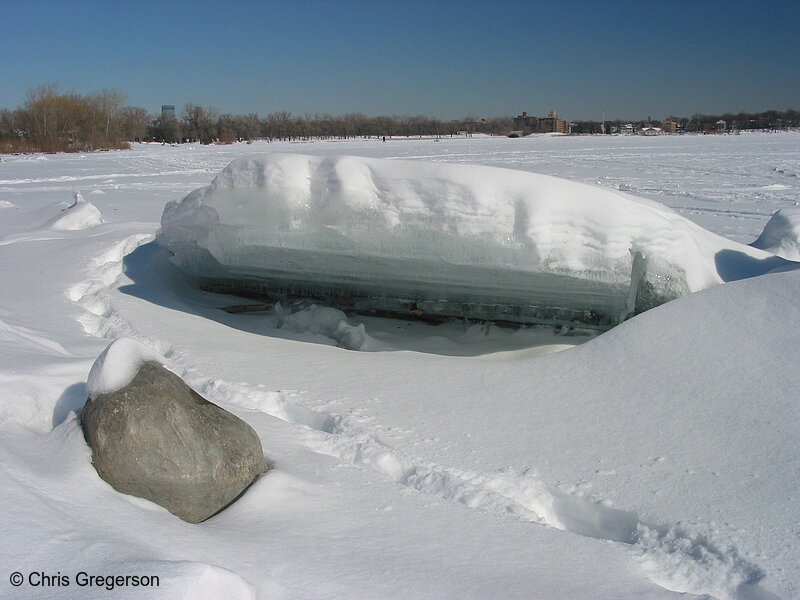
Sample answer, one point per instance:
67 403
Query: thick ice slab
442 240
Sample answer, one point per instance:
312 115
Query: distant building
168 111
669 125
650 130
549 124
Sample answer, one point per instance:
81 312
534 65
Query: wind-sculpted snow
781 234
81 214
400 237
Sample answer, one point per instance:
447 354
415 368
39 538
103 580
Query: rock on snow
154 437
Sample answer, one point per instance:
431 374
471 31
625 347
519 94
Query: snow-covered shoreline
408 474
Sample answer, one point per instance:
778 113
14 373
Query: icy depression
397 237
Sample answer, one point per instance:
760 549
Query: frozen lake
658 460
728 184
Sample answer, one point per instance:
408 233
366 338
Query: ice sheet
443 240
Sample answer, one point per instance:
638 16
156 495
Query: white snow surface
117 365
658 460
434 232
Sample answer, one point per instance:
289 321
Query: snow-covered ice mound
81 214
402 237
781 234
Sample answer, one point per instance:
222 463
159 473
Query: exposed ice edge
398 236
672 556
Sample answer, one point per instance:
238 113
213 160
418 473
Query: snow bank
81 214
117 365
441 239
781 234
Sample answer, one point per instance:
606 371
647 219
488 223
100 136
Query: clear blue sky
448 59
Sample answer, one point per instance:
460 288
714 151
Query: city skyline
587 60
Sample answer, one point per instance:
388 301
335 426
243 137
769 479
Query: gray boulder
158 439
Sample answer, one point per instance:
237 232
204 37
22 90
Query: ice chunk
328 322
437 240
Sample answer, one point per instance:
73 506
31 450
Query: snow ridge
672 556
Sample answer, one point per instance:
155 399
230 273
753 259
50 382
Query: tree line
52 121
206 125
769 120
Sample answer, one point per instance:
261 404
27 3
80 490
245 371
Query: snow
327 322
81 214
656 460
466 241
117 365
781 234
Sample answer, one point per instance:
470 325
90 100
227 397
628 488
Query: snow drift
437 239
781 234
81 214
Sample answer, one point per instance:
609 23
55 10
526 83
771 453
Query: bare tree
227 129
53 119
166 129
134 122
199 123
105 108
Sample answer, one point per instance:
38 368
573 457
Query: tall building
549 124
168 111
